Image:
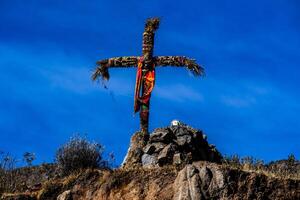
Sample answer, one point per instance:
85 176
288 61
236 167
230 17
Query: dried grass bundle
152 24
180 61
103 65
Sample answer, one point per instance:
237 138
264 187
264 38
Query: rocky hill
176 163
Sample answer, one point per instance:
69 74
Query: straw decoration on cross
146 64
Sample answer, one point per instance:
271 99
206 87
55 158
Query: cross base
144 119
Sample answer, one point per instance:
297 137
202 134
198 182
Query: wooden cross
146 65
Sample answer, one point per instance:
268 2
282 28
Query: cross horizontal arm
179 61
103 65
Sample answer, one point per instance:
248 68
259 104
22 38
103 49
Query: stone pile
175 145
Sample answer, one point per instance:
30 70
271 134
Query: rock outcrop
210 181
174 145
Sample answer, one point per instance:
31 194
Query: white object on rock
175 122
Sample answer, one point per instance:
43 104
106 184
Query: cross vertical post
147 65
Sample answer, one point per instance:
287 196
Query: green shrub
79 153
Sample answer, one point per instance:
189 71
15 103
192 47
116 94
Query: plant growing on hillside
7 173
28 158
79 153
285 168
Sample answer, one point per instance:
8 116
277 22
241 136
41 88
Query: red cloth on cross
147 81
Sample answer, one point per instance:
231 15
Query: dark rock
161 135
149 149
180 131
159 146
214 155
189 158
184 140
18 197
166 155
154 147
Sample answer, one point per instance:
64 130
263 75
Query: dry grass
283 169
50 189
119 177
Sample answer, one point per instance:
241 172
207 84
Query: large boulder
197 181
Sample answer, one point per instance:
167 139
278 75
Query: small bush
79 154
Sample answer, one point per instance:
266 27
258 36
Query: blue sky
248 102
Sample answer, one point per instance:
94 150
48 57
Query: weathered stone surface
135 150
180 130
177 159
195 182
184 140
149 160
203 180
188 158
161 135
156 147
159 146
206 176
187 184
66 195
166 155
